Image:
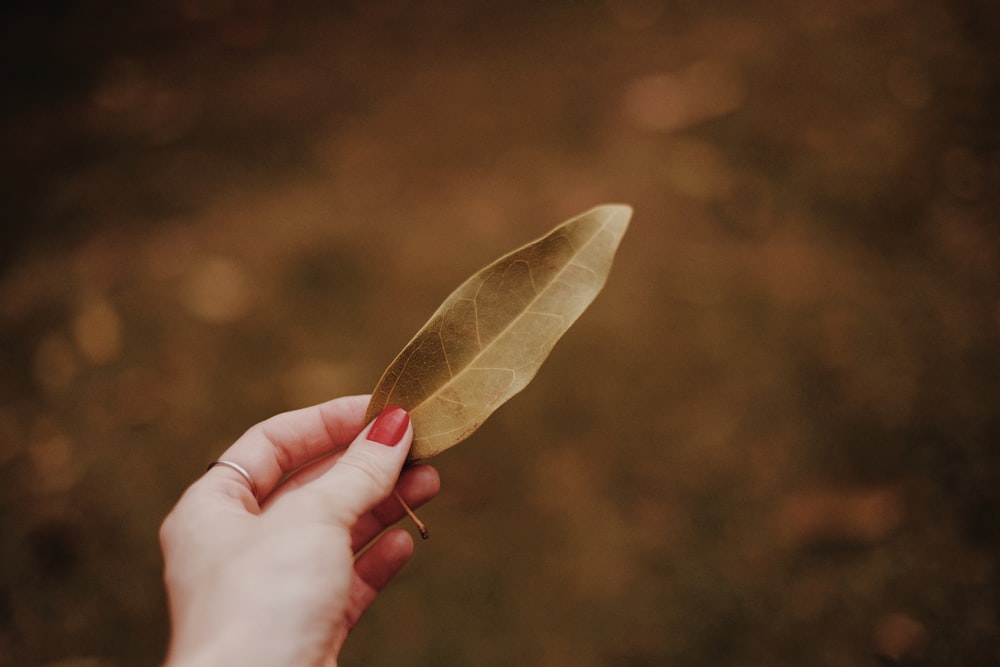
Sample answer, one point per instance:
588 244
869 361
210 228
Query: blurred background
774 439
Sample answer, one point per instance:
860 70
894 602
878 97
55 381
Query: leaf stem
424 533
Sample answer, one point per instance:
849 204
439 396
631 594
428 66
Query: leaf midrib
507 328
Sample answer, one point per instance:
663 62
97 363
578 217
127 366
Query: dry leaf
487 340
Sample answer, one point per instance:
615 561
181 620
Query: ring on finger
238 468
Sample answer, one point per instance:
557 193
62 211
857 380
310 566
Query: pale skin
279 581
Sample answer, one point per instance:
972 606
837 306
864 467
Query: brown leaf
487 339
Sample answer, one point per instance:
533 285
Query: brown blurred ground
773 440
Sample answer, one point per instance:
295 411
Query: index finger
285 442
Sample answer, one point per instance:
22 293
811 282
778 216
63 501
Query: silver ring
238 468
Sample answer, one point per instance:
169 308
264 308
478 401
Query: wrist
219 650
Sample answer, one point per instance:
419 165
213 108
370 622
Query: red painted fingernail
389 426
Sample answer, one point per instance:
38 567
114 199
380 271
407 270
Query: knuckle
367 468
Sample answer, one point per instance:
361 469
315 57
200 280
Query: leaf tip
615 208
615 214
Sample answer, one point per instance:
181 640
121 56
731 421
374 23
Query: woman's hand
274 580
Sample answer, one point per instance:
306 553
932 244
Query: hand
276 582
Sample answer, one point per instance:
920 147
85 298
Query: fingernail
389 426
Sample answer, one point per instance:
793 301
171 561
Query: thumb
368 470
